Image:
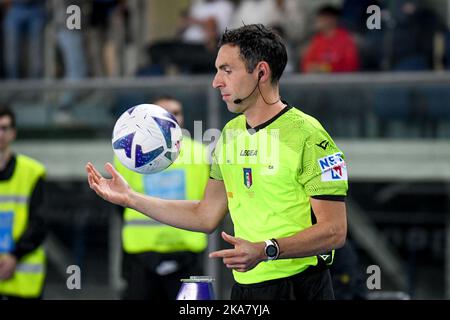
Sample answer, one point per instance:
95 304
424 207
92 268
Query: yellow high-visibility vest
185 179
15 193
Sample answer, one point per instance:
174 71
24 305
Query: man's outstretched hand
115 190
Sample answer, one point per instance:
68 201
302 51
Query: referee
275 169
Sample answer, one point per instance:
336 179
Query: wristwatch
272 250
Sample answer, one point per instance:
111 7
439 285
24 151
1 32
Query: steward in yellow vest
22 231
157 256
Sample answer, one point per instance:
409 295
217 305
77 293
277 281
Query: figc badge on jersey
248 179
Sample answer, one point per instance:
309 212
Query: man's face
232 78
174 107
7 133
325 22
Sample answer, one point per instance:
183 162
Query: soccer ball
146 138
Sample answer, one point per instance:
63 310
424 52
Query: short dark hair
258 43
329 10
7 112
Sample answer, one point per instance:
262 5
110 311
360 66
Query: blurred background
382 94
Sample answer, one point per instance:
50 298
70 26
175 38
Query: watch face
271 251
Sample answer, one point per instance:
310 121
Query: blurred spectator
332 49
205 22
287 15
194 49
354 15
71 46
107 34
371 42
25 19
411 45
70 42
22 228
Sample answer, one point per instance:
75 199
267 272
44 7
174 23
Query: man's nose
217 82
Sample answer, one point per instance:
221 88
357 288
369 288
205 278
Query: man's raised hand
115 190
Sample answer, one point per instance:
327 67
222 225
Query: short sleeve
215 172
322 168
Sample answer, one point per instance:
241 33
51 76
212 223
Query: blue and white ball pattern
146 138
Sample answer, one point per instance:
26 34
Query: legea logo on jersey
333 167
239 147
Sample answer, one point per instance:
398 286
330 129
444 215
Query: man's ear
263 70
